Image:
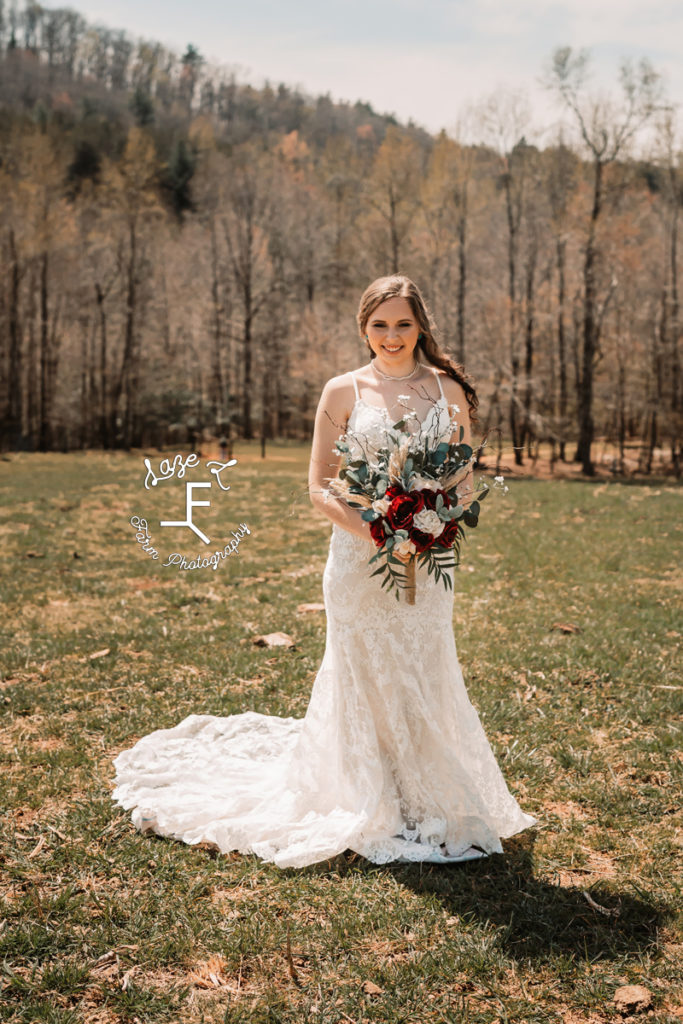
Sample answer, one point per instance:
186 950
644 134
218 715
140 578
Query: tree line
183 253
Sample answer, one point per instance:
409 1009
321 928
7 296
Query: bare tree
506 122
246 220
560 185
445 206
605 132
392 192
670 161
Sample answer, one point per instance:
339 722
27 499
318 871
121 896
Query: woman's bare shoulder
452 389
339 386
338 396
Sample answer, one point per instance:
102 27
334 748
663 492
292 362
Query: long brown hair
398 285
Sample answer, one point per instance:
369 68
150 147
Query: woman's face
392 331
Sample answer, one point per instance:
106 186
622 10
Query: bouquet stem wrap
410 587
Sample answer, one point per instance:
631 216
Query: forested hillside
183 252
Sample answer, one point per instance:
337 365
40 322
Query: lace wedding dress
390 760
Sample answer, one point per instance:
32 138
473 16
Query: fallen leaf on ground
210 974
372 989
632 998
273 640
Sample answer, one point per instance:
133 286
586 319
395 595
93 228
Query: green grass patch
568 625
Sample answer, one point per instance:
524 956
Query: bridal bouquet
408 493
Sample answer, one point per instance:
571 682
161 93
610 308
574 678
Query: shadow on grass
534 918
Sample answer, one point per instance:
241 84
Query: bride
391 760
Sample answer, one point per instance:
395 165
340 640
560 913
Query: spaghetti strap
438 377
355 384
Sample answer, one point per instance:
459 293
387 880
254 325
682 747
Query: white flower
428 521
499 479
404 398
425 483
405 547
381 506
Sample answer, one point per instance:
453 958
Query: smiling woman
391 760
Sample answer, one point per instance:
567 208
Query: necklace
388 376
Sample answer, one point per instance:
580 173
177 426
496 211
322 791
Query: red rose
431 496
393 492
421 540
402 509
377 532
448 534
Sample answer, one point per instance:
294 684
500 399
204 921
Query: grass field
568 620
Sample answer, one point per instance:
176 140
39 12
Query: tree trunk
462 276
124 383
529 342
561 345
44 433
675 330
217 394
13 421
590 330
512 325
106 439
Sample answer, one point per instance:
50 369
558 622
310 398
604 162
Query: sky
432 61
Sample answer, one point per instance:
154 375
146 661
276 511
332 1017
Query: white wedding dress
390 760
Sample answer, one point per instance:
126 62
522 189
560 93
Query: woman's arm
330 420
